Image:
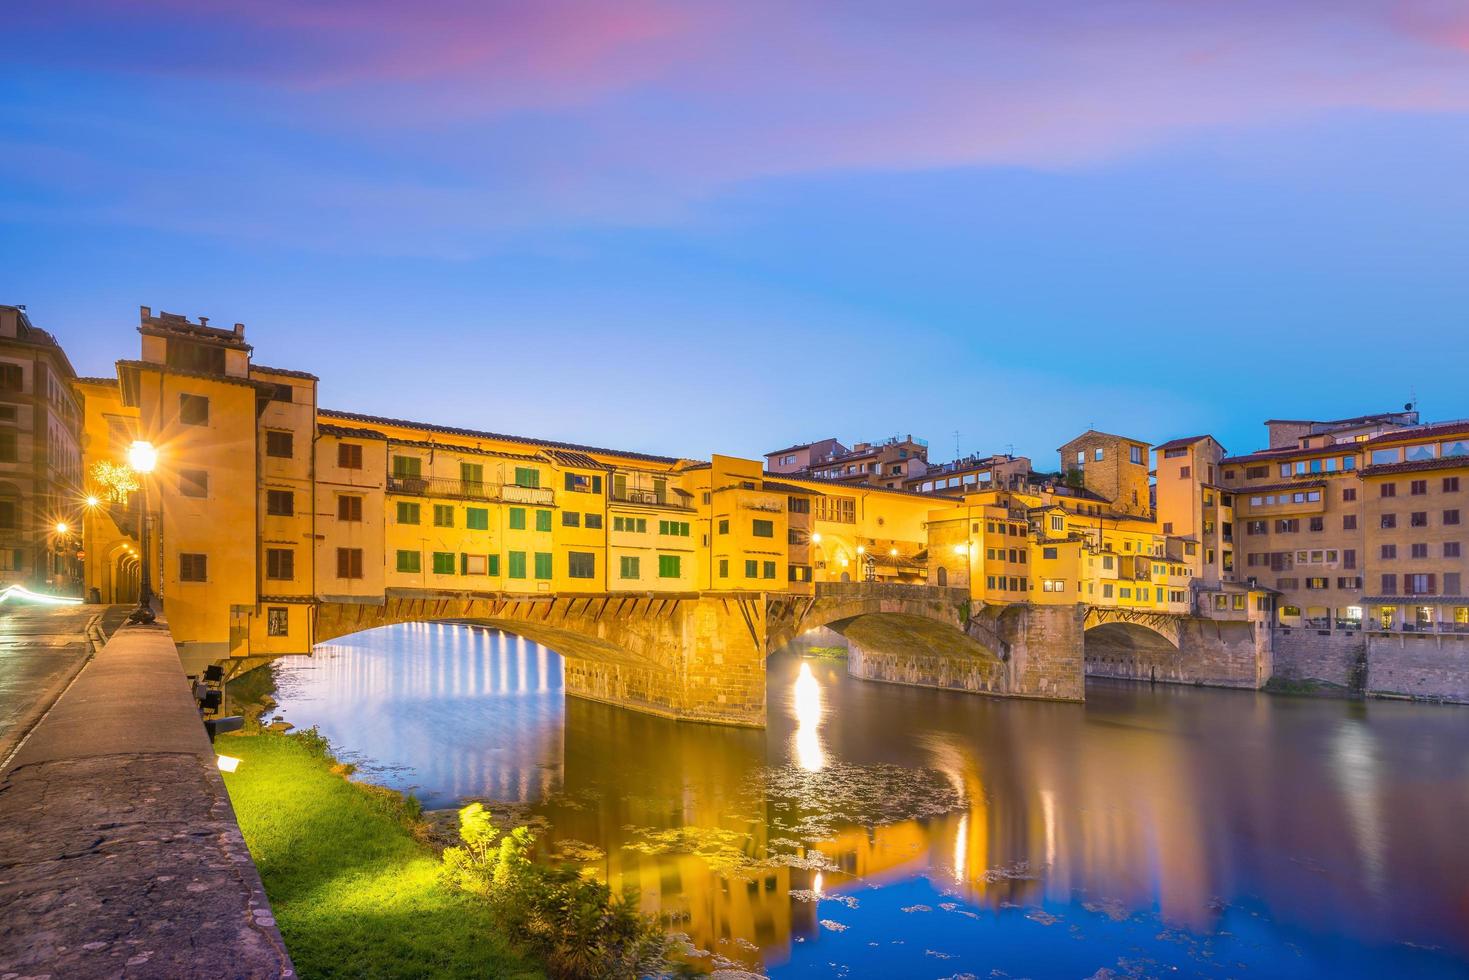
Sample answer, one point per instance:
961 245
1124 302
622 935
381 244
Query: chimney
239 330
204 321
145 312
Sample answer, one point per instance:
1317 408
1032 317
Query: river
882 831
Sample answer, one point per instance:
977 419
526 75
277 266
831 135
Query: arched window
943 576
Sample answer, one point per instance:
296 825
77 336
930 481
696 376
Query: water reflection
898 831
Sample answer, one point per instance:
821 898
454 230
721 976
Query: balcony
648 498
425 486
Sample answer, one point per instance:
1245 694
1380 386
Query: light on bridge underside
22 594
806 698
816 538
92 501
61 527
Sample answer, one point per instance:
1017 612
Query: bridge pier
1179 650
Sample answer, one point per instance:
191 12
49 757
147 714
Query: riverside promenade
120 855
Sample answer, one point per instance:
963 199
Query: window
1349 522
517 564
1317 583
1317 524
798 505
1256 472
1450 517
638 525
1389 552
279 444
1048 553
283 393
1135 453
1388 490
593 521
193 410
1106 590
1418 518
1418 550
582 483
443 515
581 564
670 566
1058 522
477 518
674 528
473 564
349 508
349 563
1348 494
752 568
1256 527
277 621
1053 585
280 503
1184 472
527 476
724 526
444 563
408 513
1097 454
1287 526
1389 520
1418 584
410 562
1451 583
724 568
1451 484
472 478
9 448
1418 487
543 520
407 468
12 377
280 563
628 567
1451 549
517 521
193 483
543 564
193 568
349 456
8 510
767 570
762 529
493 566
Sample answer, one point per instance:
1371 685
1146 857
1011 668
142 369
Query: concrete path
119 852
41 650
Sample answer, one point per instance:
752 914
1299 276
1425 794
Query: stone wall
1309 656
921 653
1423 665
1043 649
1209 652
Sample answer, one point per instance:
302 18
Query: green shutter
407 513
543 520
517 564
517 519
668 566
630 567
752 568
408 561
443 515
724 568
477 518
527 476
770 569
443 563
543 564
493 566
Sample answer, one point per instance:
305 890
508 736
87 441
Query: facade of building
41 499
973 473
800 459
263 502
890 463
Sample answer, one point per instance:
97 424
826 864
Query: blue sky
729 227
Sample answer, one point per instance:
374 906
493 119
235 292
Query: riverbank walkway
120 855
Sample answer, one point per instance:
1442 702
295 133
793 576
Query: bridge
701 656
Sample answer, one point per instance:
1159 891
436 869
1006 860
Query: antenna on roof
956 444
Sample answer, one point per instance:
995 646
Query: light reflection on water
1152 831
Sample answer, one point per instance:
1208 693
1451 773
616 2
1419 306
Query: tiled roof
201 375
1292 452
785 487
578 460
801 445
1105 435
108 382
1180 443
1456 427
351 433
1346 423
285 372
498 436
1413 466
806 478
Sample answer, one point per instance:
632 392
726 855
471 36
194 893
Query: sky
694 227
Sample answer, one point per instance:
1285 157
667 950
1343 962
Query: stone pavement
119 853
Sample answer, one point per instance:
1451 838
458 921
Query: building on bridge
265 506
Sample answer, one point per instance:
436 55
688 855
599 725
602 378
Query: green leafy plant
572 920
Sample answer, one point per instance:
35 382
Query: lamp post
142 457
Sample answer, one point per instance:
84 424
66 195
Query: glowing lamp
861 550
142 457
893 552
816 538
960 549
226 763
92 501
61 527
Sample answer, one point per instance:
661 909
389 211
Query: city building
971 473
40 459
799 459
889 463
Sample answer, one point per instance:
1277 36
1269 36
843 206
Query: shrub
573 921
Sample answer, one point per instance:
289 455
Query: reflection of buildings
472 712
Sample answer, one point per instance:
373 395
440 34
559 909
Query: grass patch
825 653
1306 688
354 891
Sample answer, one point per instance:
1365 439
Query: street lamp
142 457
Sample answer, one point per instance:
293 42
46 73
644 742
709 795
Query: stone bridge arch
1176 649
689 657
837 604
